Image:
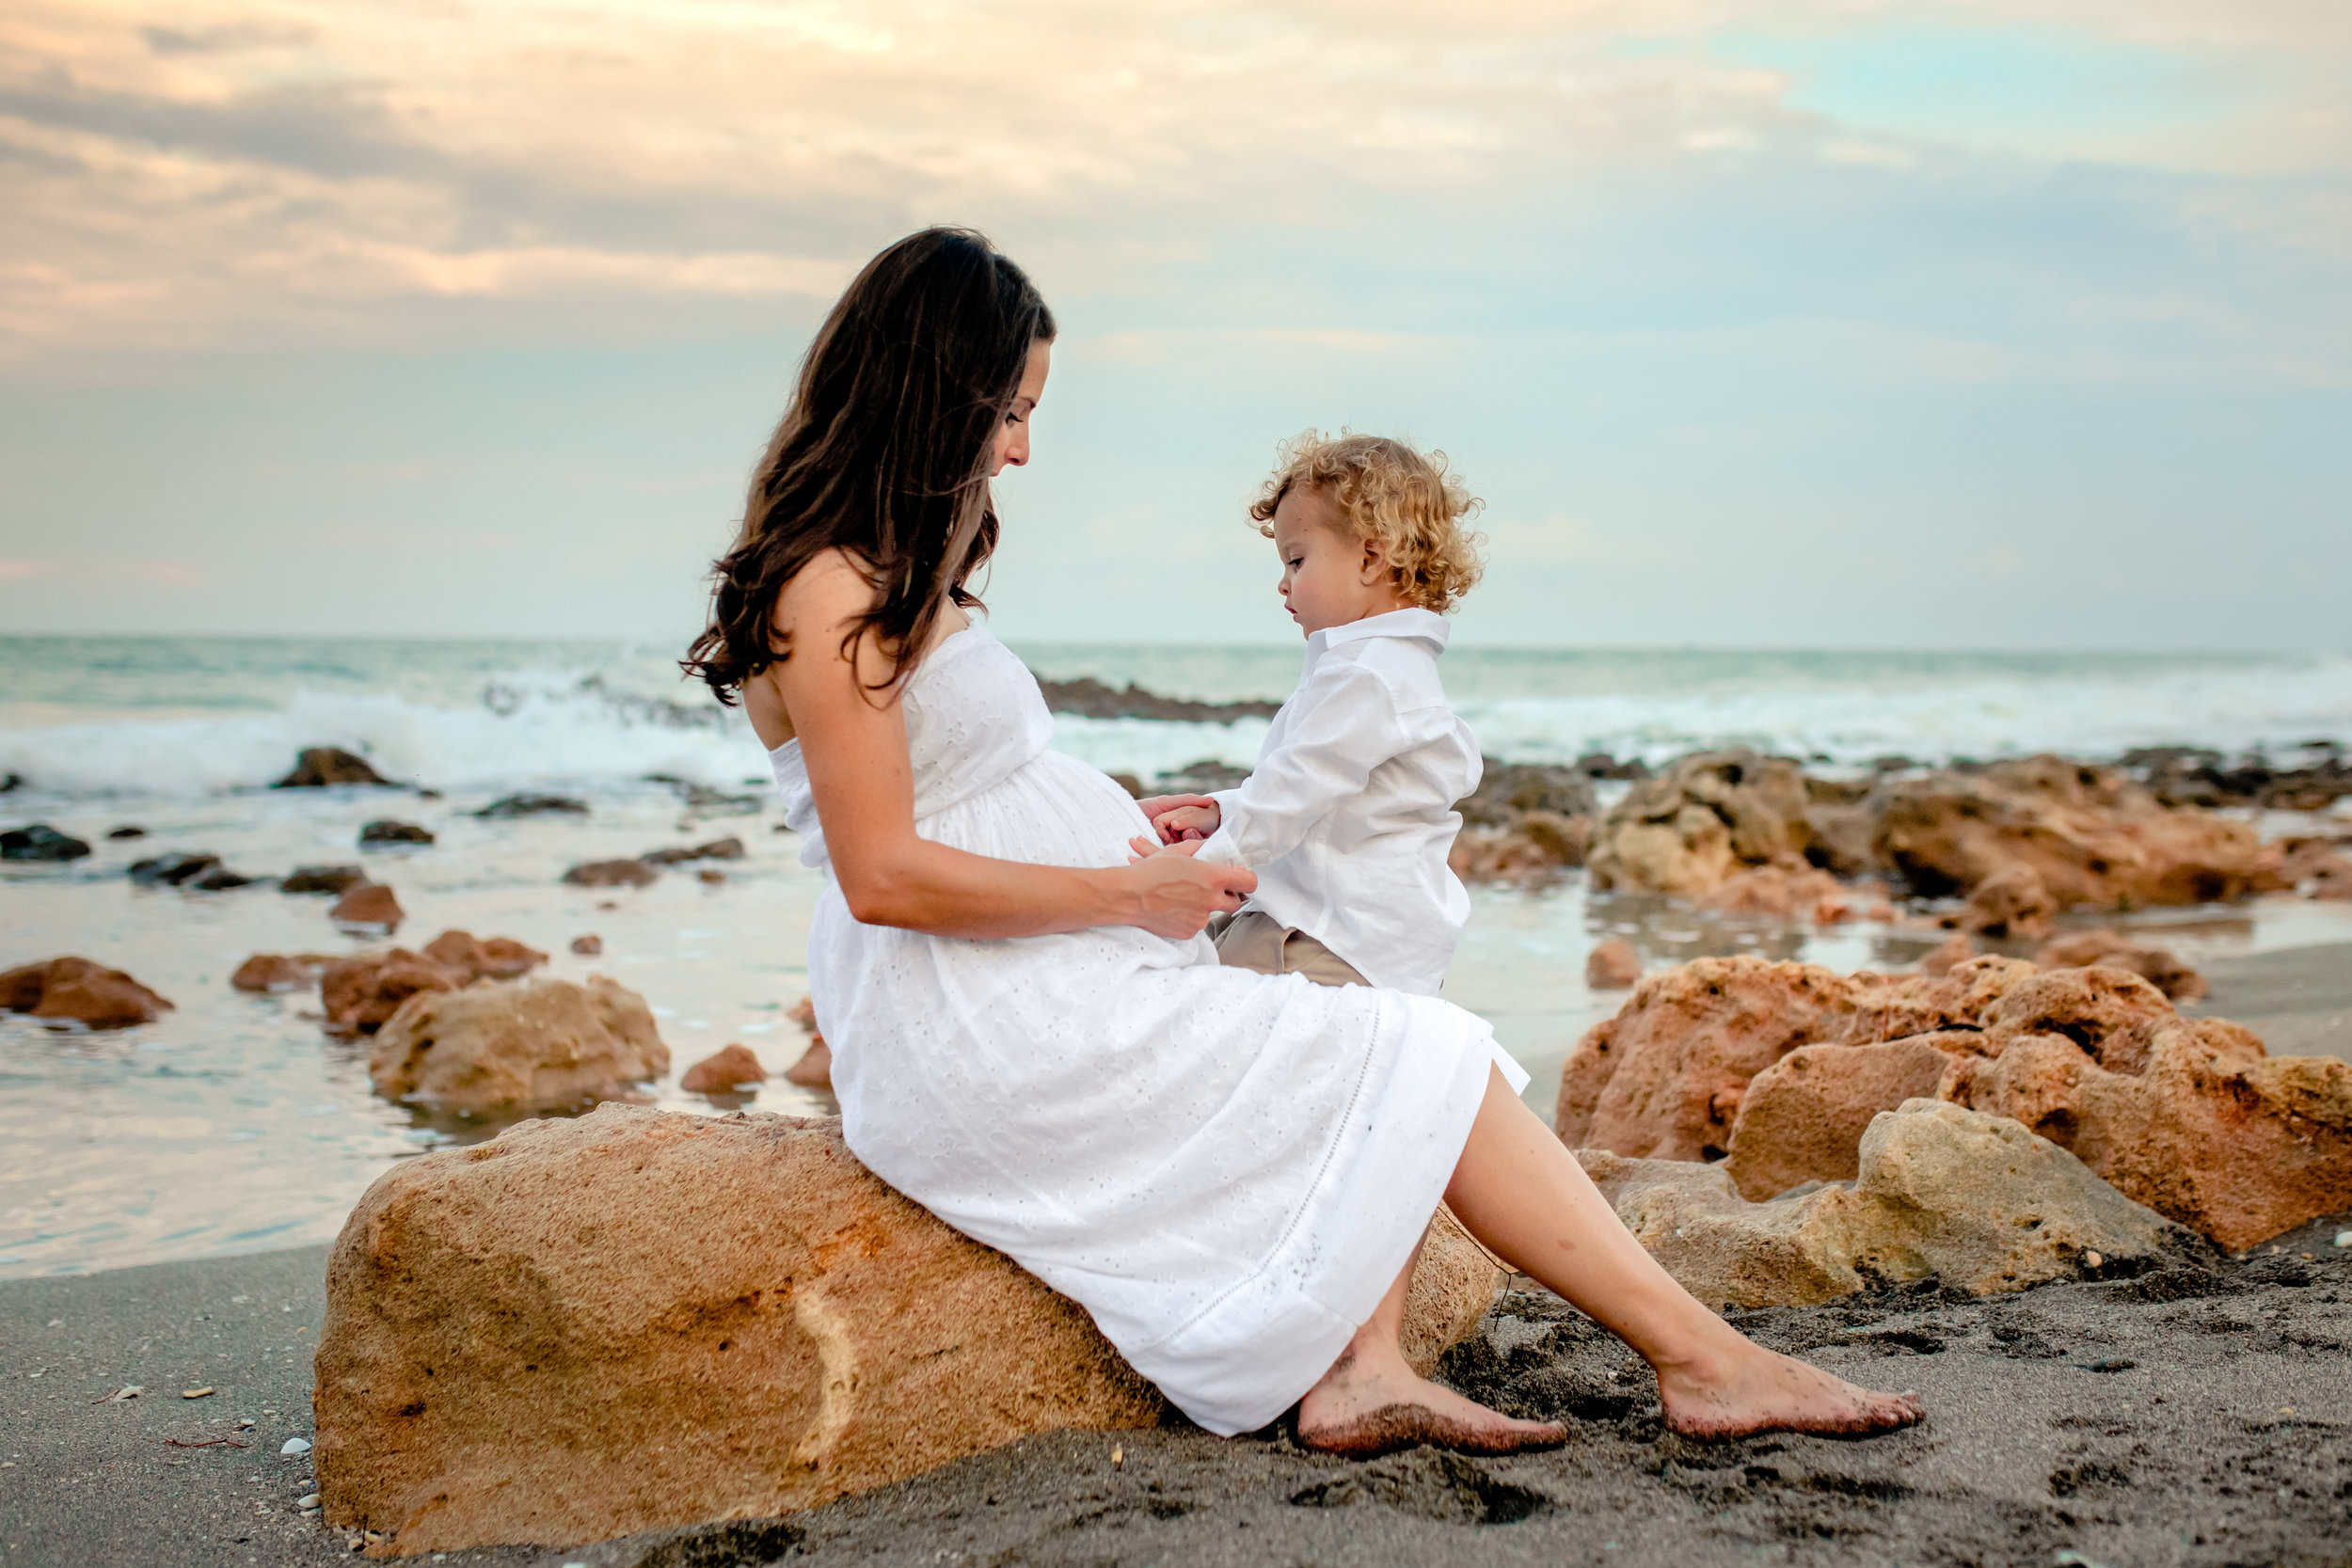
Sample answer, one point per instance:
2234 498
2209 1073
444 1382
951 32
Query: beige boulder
1782 893
1709 813
2093 837
1803 1118
586 1328
1973 1199
540 1044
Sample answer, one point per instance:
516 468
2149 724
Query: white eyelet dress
1225 1169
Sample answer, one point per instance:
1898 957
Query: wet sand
2199 1416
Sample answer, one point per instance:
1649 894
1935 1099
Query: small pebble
297 1445
2344 1238
194 1393
2094 1259
308 1501
2110 1364
245 1423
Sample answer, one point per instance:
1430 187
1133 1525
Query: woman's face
1012 434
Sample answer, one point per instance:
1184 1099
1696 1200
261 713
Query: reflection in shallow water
235 1124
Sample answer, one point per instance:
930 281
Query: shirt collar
1426 625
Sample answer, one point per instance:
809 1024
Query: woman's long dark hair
883 452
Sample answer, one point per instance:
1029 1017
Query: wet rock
1612 965
717 849
1975 1200
612 874
2011 904
320 765
1537 845
710 877
368 905
532 805
2203 1127
10 782
589 945
2158 966
385 831
38 841
519 1046
75 990
612 1349
172 870
1204 777
1943 956
126 830
706 801
270 971
1802 1119
813 1071
1840 833
359 995
219 878
1087 697
1685 831
470 958
1507 791
2092 836
323 878
722 1072
1782 893
2311 866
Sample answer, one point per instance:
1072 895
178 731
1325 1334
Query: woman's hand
1175 895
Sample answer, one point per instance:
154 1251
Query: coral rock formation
1685 831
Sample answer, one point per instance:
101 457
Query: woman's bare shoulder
835 587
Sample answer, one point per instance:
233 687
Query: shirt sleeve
1347 725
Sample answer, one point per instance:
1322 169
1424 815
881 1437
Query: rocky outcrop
571 1333
724 1071
612 874
271 971
320 765
1087 697
1612 965
385 831
1975 1200
75 991
717 849
1509 790
323 878
527 1045
2013 904
1534 845
1709 813
2158 966
813 1071
368 907
38 841
2093 837
1781 892
360 994
172 869
509 807
2187 1116
2308 865
473 959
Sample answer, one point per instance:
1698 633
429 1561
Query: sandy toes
1359 1412
1776 1393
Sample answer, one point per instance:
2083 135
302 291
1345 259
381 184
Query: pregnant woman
1231 1171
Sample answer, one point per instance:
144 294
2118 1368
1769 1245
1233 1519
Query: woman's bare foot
1751 1389
1367 1406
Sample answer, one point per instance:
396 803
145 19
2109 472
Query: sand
2199 1415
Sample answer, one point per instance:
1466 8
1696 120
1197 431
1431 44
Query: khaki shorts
1255 940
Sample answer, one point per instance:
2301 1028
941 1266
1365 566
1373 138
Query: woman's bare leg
1372 1403
1518 1189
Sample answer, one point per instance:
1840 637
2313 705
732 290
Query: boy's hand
1188 822
1157 806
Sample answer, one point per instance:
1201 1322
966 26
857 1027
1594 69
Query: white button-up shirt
1350 814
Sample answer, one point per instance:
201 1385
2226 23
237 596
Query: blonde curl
1384 490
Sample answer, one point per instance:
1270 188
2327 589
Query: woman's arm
853 741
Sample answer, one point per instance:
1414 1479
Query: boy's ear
1375 563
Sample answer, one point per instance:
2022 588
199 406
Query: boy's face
1329 577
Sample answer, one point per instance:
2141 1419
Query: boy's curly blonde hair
1386 491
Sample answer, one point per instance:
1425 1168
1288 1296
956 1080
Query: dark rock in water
717 849
1089 698
1200 778
385 831
220 879
320 765
324 878
534 805
2192 776
75 990
709 801
1600 765
173 869
369 906
1508 789
41 842
272 972
126 831
588 946
611 874
14 781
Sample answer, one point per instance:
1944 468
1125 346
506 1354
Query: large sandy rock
2091 835
1973 1199
2238 1149
72 990
589 1328
1686 830
517 1045
2202 1126
1803 1118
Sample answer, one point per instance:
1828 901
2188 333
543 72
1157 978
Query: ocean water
130 717
234 1124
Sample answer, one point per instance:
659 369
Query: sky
1848 323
